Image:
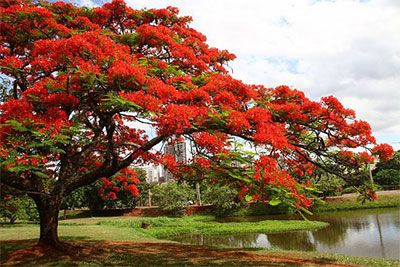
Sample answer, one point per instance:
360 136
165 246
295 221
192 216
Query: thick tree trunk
48 207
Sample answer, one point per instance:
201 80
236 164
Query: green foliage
387 173
259 209
18 208
173 197
224 198
78 198
144 186
330 185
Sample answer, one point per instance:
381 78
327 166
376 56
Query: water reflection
373 233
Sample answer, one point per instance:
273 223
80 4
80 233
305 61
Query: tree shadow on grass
106 253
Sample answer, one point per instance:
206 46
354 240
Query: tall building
153 173
178 150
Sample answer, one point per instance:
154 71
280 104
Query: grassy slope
350 203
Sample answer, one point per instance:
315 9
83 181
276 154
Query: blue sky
349 49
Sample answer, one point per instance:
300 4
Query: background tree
16 205
173 197
143 187
387 173
224 199
79 198
85 81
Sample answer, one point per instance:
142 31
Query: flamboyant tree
80 83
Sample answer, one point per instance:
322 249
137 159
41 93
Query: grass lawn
121 241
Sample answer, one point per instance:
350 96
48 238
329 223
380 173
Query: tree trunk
48 207
198 194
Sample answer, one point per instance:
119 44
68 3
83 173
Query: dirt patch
148 254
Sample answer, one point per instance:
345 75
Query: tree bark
48 207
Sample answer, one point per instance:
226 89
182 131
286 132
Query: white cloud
349 49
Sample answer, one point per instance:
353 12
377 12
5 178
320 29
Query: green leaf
41 175
117 102
274 202
248 198
7 162
57 150
306 211
16 125
20 168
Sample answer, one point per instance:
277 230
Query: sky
349 49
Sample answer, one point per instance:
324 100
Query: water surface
371 233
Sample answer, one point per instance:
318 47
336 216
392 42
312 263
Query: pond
371 233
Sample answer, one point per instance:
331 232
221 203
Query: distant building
154 173
178 150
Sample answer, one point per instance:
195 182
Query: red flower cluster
383 151
122 185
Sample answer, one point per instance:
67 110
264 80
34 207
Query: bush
173 197
224 198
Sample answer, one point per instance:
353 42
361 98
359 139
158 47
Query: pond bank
386 199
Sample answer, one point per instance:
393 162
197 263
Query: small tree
173 197
224 198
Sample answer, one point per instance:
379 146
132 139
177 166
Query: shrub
173 197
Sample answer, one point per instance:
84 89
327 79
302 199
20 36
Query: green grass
164 227
77 229
351 203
